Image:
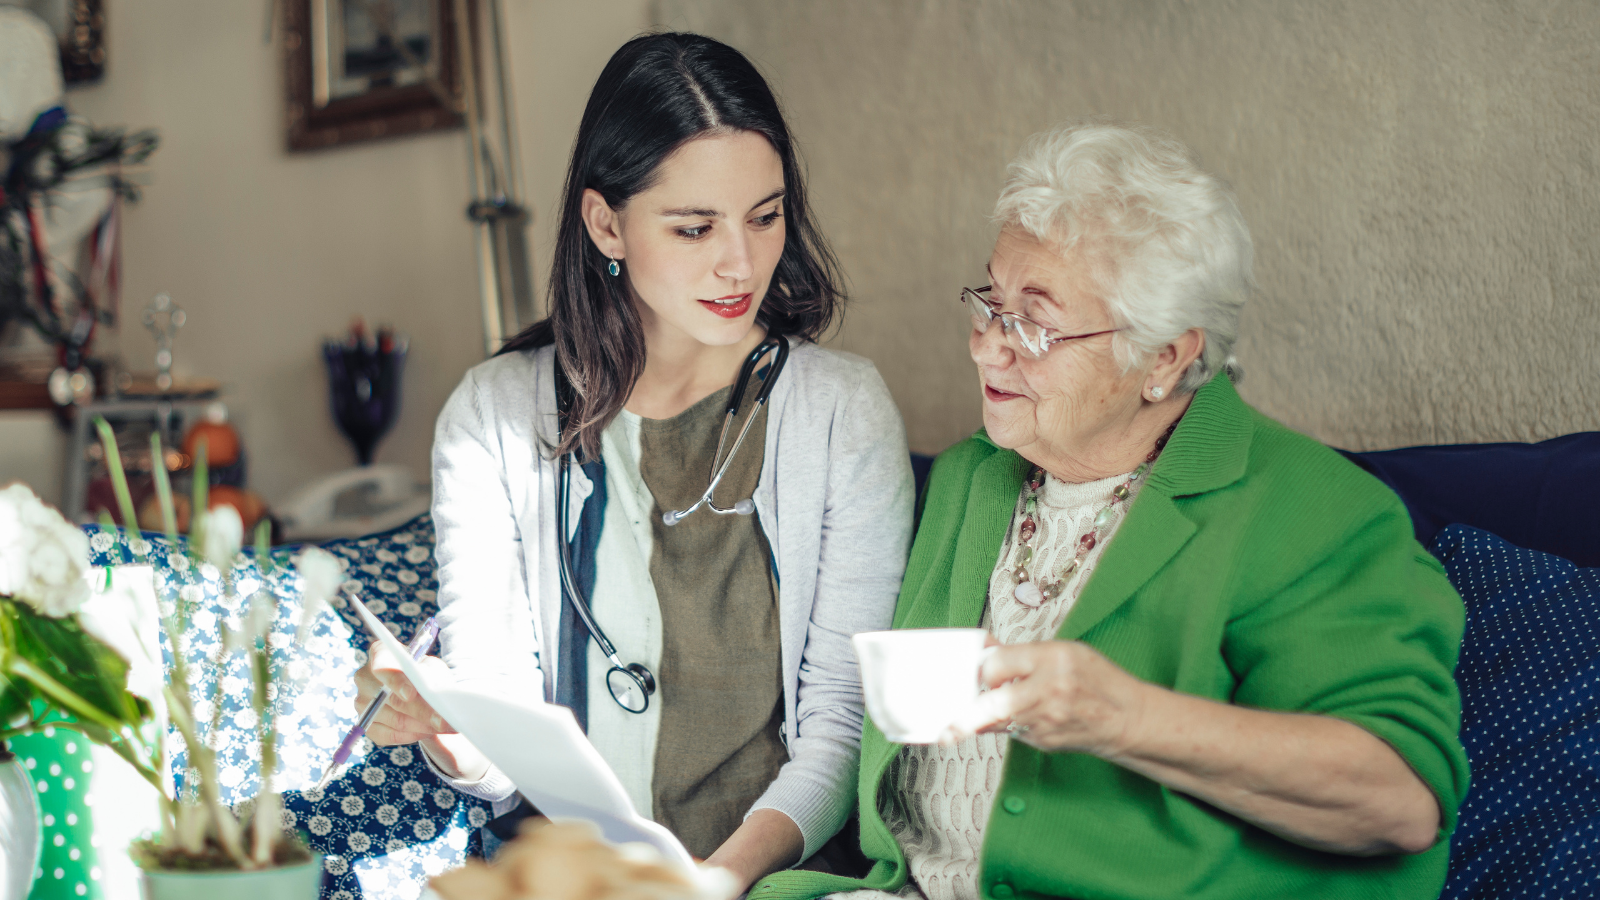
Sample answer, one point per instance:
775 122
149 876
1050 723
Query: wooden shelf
25 395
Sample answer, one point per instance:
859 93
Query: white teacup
917 681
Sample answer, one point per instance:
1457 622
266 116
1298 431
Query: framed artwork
361 70
80 29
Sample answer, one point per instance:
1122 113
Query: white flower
401 756
323 577
424 829
373 775
477 817
418 554
290 820
410 609
387 556
393 844
320 825
358 841
387 586
406 576
411 791
445 798
335 865
387 815
352 805
43 557
223 535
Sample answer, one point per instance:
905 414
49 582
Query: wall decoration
80 30
362 70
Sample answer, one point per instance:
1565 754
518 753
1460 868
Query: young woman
727 697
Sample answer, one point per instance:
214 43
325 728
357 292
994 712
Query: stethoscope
632 684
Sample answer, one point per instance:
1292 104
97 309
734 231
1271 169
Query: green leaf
77 661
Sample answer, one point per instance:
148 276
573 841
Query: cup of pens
364 384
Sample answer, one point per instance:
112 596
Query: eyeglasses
1022 333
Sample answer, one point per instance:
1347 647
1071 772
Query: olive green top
1256 567
721 688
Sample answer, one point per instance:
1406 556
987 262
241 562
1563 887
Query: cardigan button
1014 805
1003 891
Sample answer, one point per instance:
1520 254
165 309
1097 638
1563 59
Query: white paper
540 747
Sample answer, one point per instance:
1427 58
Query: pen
421 643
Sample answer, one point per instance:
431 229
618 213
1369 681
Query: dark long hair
658 92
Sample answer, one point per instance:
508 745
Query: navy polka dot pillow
1529 670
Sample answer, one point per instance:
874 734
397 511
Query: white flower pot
19 828
301 882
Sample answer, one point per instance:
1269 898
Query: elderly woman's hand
1317 780
1057 696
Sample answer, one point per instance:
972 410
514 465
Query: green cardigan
1256 567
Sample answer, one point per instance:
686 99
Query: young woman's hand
406 718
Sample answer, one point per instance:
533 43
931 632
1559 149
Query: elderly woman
1225 664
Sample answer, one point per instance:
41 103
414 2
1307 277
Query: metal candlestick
163 318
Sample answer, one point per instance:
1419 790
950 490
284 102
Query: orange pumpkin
222 442
150 513
248 504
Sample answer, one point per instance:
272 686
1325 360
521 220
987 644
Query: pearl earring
1158 392
615 269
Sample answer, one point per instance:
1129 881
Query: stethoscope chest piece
631 686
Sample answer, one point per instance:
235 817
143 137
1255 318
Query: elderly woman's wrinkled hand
1056 696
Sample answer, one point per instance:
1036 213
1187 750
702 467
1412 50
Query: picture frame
80 30
352 73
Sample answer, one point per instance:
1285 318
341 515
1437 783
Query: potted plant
88 649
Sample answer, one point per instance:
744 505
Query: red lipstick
730 307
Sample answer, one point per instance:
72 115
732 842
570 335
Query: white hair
1164 243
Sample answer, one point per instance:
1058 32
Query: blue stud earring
614 269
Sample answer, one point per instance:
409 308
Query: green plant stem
204 761
169 514
119 484
69 701
201 483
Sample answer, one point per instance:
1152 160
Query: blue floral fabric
386 823
1529 671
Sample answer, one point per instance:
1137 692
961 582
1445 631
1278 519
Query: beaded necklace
1032 593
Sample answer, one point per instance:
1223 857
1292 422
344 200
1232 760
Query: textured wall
270 251
1421 180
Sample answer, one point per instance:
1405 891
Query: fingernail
437 723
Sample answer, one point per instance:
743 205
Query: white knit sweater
943 794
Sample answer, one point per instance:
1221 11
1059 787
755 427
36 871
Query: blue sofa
1515 525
